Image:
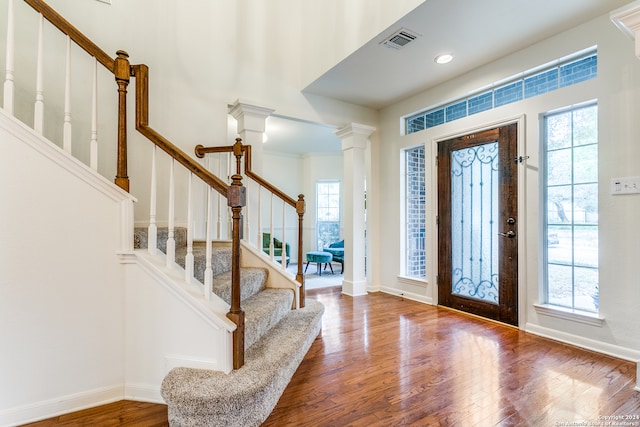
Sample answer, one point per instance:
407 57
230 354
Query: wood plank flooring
382 360
122 413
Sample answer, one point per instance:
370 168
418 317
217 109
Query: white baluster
259 226
188 261
271 251
93 145
229 212
208 271
38 114
283 261
152 245
171 241
247 209
220 201
66 128
8 80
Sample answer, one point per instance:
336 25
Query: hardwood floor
382 360
385 361
122 413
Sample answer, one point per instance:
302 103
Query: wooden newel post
300 209
122 72
236 200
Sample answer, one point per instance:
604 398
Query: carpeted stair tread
263 311
220 259
252 281
141 237
246 396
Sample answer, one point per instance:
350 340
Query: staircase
276 340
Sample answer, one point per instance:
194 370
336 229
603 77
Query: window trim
545 308
519 78
575 315
317 221
403 211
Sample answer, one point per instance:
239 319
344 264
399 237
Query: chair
336 249
277 247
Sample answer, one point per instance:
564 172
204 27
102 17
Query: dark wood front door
478 223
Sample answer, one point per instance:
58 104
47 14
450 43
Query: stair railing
123 71
256 223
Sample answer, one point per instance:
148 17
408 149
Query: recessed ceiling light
444 58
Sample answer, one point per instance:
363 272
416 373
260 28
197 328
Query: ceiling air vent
400 38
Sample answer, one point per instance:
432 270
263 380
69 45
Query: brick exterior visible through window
415 213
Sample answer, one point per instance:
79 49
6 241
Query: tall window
571 198
415 213
327 213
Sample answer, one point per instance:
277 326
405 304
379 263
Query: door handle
509 234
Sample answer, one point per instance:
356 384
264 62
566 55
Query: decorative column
627 19
354 145
251 126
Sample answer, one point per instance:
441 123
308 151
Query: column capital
250 117
354 129
354 135
627 19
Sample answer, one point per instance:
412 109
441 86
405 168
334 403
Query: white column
627 19
251 127
354 145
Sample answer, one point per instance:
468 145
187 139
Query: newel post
122 72
300 209
236 200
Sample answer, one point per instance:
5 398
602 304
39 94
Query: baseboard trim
408 295
589 344
143 393
60 405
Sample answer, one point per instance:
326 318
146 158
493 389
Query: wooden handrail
141 73
122 71
201 150
298 205
80 39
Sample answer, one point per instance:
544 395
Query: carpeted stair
276 340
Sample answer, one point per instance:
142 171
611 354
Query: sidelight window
571 214
415 203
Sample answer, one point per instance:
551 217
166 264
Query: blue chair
336 249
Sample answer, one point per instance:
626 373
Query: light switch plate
625 185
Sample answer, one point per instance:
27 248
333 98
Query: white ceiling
475 31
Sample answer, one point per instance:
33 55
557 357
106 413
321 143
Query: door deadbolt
511 220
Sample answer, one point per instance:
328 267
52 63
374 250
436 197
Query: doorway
478 222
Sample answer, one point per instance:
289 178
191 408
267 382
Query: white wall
61 291
202 57
353 24
83 320
617 89
166 328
